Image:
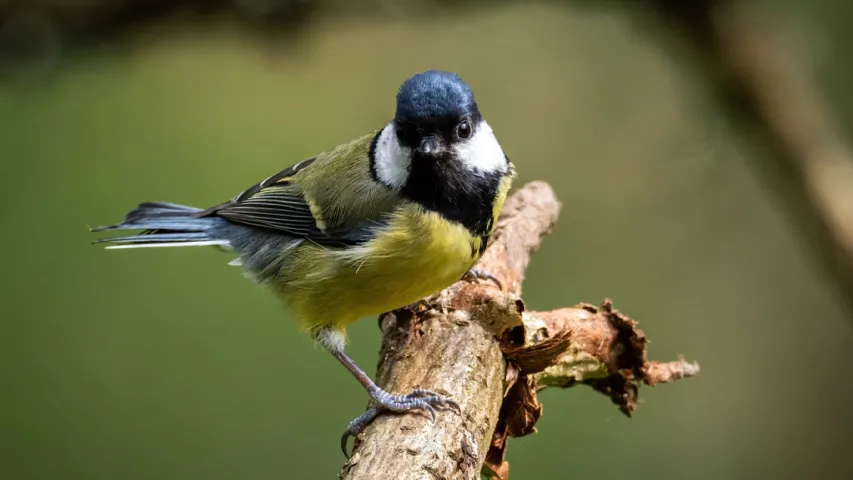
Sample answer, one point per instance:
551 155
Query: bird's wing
279 204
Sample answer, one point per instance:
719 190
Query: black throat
443 186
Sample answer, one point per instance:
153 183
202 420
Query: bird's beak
429 145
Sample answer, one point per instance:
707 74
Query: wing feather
279 204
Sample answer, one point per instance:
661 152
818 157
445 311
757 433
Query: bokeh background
168 364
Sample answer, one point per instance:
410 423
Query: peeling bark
481 346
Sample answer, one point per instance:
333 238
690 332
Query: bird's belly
415 257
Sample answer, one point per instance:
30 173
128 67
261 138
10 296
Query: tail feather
163 225
159 237
203 243
178 225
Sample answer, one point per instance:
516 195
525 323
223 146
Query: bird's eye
464 129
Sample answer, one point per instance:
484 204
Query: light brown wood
455 351
479 345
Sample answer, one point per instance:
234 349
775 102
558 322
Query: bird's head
437 135
435 112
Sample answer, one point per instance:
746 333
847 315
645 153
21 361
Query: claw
418 399
344 441
479 274
432 414
357 426
423 392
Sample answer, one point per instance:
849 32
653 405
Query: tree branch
479 344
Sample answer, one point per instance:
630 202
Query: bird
367 227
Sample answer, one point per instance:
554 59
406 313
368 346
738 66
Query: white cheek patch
391 160
482 152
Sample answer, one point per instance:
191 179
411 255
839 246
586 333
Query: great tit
367 227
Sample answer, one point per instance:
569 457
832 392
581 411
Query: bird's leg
479 274
417 399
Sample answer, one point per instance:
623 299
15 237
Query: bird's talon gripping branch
417 399
479 274
357 426
423 392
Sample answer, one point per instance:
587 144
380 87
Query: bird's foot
417 399
479 274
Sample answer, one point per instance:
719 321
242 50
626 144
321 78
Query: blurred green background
168 364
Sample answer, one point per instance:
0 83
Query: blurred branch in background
779 111
37 35
480 344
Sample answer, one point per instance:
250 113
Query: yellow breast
417 254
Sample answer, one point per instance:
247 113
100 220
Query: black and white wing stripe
278 204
